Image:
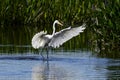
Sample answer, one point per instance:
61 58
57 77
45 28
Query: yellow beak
60 23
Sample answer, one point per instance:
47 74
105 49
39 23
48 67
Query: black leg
41 53
47 53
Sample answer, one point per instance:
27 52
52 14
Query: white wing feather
38 40
64 35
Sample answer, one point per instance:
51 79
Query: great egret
42 39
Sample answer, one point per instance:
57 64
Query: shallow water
62 65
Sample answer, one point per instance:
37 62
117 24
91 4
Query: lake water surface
62 65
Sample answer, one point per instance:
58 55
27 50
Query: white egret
42 39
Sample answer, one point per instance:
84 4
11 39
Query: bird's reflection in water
45 71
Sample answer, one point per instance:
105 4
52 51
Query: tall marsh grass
102 17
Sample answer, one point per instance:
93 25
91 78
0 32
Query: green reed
102 18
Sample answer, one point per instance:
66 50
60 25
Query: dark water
62 65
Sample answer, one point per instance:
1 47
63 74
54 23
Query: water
62 65
19 61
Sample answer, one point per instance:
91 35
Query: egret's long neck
53 29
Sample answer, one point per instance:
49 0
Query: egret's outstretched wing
38 40
64 35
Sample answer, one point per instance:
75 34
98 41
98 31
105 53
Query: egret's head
57 22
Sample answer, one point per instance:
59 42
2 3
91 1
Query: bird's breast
48 36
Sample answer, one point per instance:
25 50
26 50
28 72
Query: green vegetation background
102 18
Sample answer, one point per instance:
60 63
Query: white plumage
41 39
